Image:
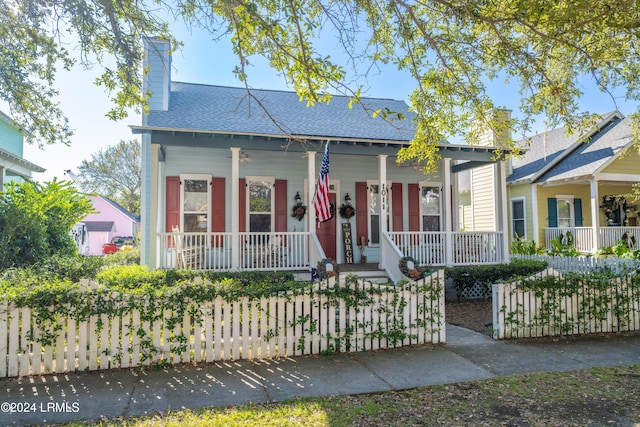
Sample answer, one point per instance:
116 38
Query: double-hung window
260 203
196 203
518 221
565 211
430 207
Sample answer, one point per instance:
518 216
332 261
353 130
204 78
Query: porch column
455 202
534 214
311 189
501 205
384 205
595 215
162 192
2 175
446 208
235 208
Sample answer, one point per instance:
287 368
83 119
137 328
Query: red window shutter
242 204
217 209
414 207
396 202
281 205
362 223
172 203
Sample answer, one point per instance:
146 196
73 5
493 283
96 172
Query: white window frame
524 217
268 179
371 182
572 216
194 177
438 185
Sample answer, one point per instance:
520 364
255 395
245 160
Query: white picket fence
583 263
278 326
524 314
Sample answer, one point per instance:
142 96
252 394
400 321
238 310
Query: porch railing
582 236
609 236
477 247
474 247
215 251
196 251
274 251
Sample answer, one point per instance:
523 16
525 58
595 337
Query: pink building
109 220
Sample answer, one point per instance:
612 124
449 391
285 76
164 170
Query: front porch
583 237
296 251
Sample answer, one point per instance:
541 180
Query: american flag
321 200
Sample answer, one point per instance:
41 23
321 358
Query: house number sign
348 242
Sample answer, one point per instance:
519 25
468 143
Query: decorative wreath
298 211
321 270
415 273
347 211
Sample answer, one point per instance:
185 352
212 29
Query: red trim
281 210
396 202
172 203
414 207
217 209
362 223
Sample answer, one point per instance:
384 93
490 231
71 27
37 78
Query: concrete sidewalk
466 356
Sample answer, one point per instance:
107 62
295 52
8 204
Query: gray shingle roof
200 107
548 153
588 158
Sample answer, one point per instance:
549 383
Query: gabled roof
550 150
220 109
121 209
590 157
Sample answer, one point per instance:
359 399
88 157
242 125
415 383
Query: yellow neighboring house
577 184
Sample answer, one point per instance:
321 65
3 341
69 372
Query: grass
598 396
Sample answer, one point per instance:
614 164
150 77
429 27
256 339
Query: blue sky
204 61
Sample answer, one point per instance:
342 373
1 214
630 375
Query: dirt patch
476 315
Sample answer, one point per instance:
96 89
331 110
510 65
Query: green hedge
466 277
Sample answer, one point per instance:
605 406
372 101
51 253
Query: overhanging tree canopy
451 48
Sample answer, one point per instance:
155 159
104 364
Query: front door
327 232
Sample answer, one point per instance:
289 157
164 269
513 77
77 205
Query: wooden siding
10 139
625 164
483 198
581 191
522 191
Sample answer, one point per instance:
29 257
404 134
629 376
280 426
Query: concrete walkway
466 356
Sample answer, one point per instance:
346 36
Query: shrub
467 277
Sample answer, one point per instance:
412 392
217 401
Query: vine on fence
604 295
170 296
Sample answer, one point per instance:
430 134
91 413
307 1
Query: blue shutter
552 210
577 211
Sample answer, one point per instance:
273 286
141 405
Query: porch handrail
391 255
316 253
271 251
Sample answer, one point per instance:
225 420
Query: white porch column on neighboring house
534 214
501 207
446 207
384 204
595 214
235 208
2 175
311 190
